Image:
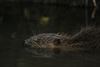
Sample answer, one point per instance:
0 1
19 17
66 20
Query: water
18 23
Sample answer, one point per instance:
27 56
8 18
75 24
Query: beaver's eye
57 42
57 50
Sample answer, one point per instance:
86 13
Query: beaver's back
87 38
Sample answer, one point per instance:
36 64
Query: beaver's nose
27 45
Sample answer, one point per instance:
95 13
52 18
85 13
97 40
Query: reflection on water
91 17
19 23
93 13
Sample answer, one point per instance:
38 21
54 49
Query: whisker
36 44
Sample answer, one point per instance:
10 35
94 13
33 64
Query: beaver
49 44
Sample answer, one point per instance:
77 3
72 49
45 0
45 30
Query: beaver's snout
27 45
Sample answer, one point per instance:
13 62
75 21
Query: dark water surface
18 24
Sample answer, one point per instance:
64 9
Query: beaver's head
40 48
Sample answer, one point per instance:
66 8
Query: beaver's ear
57 42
